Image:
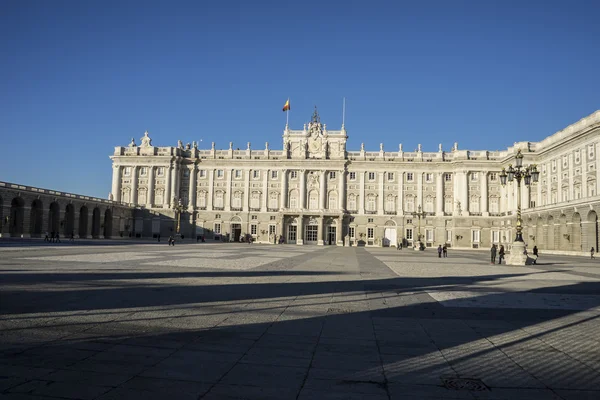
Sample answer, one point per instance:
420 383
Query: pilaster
134 184
150 195
380 199
484 194
439 194
322 190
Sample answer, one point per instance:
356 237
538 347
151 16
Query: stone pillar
320 232
284 188
211 189
380 199
167 197
300 231
484 194
464 191
400 193
302 199
539 192
116 183
265 193
456 192
549 183
571 182
361 199
322 190
339 235
246 204
150 194
192 188
419 190
559 196
597 169
439 194
134 184
228 191
342 190
584 189
174 192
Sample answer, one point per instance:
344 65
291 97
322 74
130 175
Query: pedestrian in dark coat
493 253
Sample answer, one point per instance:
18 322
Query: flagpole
344 113
287 115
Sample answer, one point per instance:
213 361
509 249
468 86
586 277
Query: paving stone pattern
236 321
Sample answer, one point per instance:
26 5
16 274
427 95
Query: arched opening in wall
36 218
54 218
108 222
576 232
550 234
83 222
292 230
539 233
69 225
591 231
16 217
564 238
389 234
96 223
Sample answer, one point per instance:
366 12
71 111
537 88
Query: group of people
500 251
54 237
442 250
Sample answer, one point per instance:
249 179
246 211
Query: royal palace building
316 191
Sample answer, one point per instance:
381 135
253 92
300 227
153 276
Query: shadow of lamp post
527 175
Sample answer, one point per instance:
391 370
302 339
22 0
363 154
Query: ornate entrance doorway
291 234
331 235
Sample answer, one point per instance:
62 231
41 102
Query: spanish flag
286 107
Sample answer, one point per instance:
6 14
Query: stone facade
315 191
27 211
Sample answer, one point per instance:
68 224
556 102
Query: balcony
371 212
272 209
476 214
254 208
218 208
390 212
202 208
236 208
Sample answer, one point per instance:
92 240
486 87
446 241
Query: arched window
293 199
332 201
448 205
313 200
494 204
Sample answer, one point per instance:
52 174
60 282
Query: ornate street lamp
419 214
178 207
527 175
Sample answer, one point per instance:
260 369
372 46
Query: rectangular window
255 174
409 234
143 171
409 221
370 220
160 171
390 176
448 177
294 174
473 176
332 175
476 236
370 233
493 177
410 177
429 177
352 176
202 173
254 217
371 176
532 204
429 235
448 236
495 237
273 174
272 229
218 228
238 173
219 173
127 171
253 229
351 232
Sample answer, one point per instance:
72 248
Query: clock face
315 145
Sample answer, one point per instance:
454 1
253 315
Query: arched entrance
550 234
69 224
576 232
96 223
330 232
389 234
107 223
36 218
590 231
83 222
54 217
236 228
311 231
564 239
16 217
292 231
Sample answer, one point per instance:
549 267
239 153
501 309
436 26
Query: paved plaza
233 321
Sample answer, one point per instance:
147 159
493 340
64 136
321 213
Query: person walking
592 251
493 253
439 251
445 251
47 238
57 237
72 238
501 254
535 253
158 237
171 241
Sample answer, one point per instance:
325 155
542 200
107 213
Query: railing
476 214
390 212
370 212
272 209
218 208
254 208
236 208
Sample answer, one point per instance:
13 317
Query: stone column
211 189
284 188
400 193
597 169
300 231
265 193
192 188
571 182
150 196
584 189
228 191
134 184
439 194
302 199
361 199
484 194
322 190
465 191
320 232
456 192
559 197
116 183
342 190
380 199
339 235
167 197
549 183
246 204
539 192
419 190
174 182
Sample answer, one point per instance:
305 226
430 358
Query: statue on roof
132 144
315 128
179 144
146 141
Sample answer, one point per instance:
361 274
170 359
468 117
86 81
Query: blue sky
80 77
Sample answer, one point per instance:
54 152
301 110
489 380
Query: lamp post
178 207
527 175
419 214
